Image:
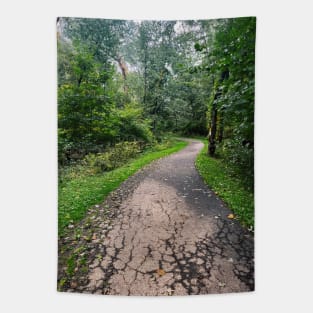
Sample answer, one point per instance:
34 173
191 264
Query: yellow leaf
231 216
160 272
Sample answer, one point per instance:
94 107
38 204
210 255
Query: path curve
164 232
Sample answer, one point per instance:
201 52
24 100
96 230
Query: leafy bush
113 157
65 147
122 152
163 143
132 125
99 162
241 157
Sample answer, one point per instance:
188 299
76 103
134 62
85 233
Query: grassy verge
78 194
218 176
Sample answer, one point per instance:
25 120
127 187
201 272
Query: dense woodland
123 85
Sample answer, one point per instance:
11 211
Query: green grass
77 195
219 177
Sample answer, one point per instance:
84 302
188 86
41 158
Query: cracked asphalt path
164 232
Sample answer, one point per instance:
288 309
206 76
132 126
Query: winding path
168 235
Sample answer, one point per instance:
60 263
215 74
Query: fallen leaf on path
160 272
231 216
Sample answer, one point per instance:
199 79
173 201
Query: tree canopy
134 80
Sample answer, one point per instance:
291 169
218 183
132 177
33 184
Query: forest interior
159 116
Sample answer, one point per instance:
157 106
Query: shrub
100 162
240 156
114 156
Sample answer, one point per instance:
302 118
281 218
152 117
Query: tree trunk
145 79
213 125
220 127
124 70
213 128
212 134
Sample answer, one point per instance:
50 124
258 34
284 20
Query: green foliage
92 112
113 157
157 53
84 107
229 65
221 177
234 51
240 157
99 162
132 125
102 36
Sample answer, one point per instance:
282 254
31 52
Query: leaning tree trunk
124 70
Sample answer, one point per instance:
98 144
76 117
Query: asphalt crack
163 232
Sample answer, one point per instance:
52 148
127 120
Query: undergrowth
224 180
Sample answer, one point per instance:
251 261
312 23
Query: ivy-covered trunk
220 127
213 128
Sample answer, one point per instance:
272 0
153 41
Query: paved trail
169 235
